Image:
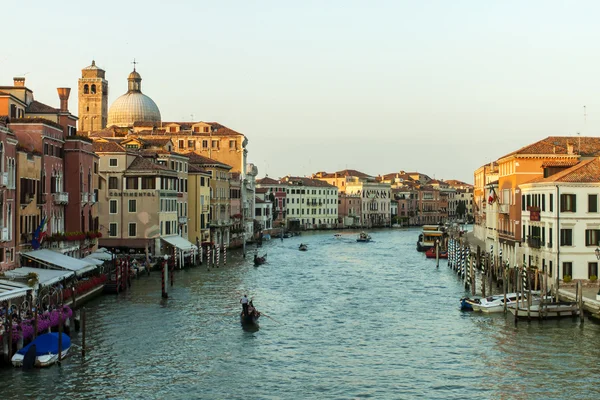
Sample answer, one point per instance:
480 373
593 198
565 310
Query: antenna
192 117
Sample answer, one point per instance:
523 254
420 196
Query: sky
439 87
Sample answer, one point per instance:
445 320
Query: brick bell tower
93 99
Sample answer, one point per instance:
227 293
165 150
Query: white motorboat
495 304
45 348
547 310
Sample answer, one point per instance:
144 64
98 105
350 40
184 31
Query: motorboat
42 351
495 304
337 235
303 247
431 253
428 237
466 303
363 237
546 310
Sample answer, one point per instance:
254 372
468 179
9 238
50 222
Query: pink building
8 153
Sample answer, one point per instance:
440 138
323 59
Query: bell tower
93 99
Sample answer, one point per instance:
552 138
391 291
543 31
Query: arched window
93 89
86 89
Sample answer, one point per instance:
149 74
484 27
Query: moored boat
45 349
363 237
466 303
431 253
495 303
303 247
428 237
547 310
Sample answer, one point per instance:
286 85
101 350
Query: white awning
10 289
60 261
95 261
101 256
46 277
179 242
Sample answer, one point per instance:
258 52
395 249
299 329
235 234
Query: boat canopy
432 233
56 260
46 277
47 344
179 242
10 289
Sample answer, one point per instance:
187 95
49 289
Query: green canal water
348 321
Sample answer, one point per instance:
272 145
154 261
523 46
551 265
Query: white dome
133 107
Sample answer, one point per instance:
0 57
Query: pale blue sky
441 87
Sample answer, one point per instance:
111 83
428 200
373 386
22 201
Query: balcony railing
534 242
60 197
84 198
183 220
92 198
504 208
4 235
4 179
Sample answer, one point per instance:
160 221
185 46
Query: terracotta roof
235 175
257 200
157 152
196 158
195 169
585 172
560 163
144 164
261 190
587 146
294 180
155 142
144 123
394 175
456 182
36 107
109 131
35 120
267 181
107 147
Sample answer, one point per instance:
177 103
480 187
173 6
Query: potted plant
567 278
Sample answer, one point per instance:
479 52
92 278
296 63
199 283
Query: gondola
259 260
251 318
303 247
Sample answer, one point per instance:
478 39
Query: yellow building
29 167
199 204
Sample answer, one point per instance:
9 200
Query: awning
60 261
101 256
179 242
93 260
10 289
46 277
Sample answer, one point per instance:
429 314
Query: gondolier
244 302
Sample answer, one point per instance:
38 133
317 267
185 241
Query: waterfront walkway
589 297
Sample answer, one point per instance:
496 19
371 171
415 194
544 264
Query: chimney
19 81
63 95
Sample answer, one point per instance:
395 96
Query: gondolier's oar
262 313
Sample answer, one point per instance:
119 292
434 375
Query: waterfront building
199 204
408 204
560 220
264 210
375 195
277 195
8 204
137 200
517 168
220 205
349 210
29 169
311 203
463 193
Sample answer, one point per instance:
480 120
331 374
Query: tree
461 209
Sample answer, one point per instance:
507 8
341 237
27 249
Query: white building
310 203
561 222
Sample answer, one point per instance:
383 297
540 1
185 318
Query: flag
39 234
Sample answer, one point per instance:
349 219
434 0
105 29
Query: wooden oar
262 313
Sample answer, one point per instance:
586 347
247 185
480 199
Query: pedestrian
244 302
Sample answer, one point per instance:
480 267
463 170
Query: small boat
266 236
431 253
466 303
428 237
259 260
337 235
303 247
547 310
495 304
287 235
45 349
363 237
251 318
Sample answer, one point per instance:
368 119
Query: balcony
534 242
60 197
84 198
4 179
92 198
4 235
504 208
183 220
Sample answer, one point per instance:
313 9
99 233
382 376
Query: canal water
347 320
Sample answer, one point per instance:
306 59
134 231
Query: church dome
133 106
